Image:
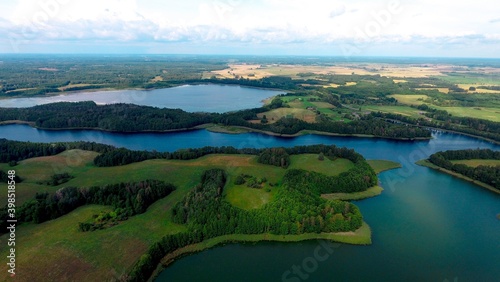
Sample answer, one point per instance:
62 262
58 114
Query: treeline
127 198
275 156
124 156
486 174
133 118
4 177
297 209
115 117
14 151
443 120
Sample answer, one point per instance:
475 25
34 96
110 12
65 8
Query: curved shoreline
362 236
428 164
210 127
110 89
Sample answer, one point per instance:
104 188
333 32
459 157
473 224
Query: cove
190 98
426 226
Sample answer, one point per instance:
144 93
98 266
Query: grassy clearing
409 99
303 114
476 163
327 166
478 90
248 198
383 165
108 254
227 129
492 114
458 175
34 170
442 90
369 193
402 110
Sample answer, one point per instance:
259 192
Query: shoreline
223 130
362 236
426 163
110 89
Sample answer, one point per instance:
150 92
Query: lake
190 98
427 226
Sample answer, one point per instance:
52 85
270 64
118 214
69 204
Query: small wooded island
238 195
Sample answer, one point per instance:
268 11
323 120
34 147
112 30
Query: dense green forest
127 199
486 174
298 208
442 120
14 151
133 118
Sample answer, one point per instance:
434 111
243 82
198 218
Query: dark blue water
426 226
191 98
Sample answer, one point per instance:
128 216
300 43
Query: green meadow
61 250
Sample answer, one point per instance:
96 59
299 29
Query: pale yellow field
478 90
72 85
157 78
476 162
492 114
303 114
409 99
398 72
442 90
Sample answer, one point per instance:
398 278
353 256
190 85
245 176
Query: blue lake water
427 226
191 98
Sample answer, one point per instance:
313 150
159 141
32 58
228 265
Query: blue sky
260 27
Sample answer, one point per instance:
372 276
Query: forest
127 199
133 118
484 173
443 120
298 208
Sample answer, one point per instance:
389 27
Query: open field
275 114
442 90
479 90
369 193
327 166
476 163
383 165
492 114
409 99
402 110
253 71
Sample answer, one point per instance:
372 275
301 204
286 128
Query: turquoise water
426 226
191 98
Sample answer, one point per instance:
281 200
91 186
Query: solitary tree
321 156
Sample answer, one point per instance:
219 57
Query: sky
421 28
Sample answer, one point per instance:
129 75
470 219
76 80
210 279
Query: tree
321 156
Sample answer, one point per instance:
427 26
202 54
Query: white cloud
276 22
